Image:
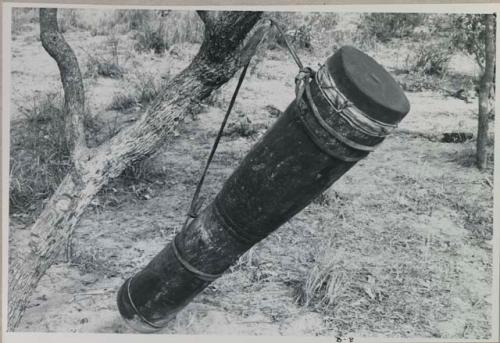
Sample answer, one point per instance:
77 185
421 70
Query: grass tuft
122 102
323 287
242 127
40 156
147 87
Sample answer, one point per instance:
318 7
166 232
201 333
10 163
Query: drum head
368 85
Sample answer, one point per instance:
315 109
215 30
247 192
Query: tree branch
228 44
222 35
74 96
489 67
206 17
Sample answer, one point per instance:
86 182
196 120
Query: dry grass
387 262
138 91
122 102
39 153
147 86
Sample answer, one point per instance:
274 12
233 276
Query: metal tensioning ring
302 81
152 327
347 110
193 270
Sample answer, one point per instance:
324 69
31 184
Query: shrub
134 19
97 22
21 18
105 67
184 27
468 35
149 38
301 37
303 30
323 21
67 18
297 33
430 59
385 26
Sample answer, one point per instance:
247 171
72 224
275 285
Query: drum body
311 145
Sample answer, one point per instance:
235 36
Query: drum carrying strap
197 202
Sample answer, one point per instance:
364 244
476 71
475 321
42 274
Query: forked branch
229 42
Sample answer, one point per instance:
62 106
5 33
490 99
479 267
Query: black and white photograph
304 172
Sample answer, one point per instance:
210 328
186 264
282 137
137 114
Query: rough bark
485 85
230 41
71 78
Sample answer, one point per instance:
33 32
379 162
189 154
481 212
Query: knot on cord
301 82
194 209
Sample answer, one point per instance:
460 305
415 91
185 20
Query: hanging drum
349 106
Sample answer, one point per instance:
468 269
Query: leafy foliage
300 29
469 35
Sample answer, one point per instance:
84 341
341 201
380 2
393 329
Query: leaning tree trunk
229 42
484 92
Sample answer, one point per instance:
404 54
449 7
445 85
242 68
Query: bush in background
386 26
159 30
21 18
98 66
469 35
151 38
430 59
301 29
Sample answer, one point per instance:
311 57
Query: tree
230 40
475 34
485 86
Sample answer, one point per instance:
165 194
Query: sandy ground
408 230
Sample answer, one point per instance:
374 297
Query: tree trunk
229 43
484 92
71 78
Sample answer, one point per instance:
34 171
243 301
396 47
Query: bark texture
71 78
484 91
229 42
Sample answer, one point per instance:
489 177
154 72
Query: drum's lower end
129 313
140 326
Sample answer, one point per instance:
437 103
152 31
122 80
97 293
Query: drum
347 109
